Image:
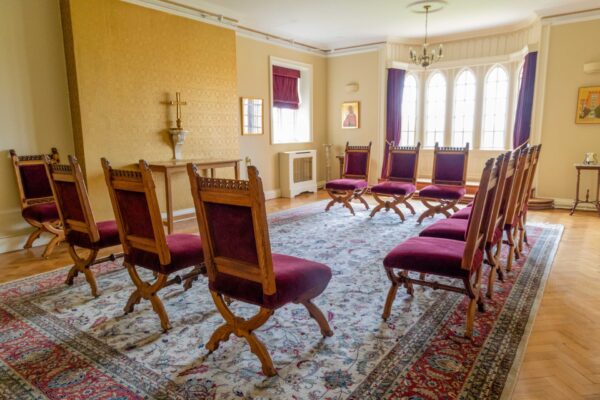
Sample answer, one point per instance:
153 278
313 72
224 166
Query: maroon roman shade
285 88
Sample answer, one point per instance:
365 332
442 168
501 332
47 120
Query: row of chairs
398 185
234 252
456 247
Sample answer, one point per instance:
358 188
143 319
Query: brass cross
178 103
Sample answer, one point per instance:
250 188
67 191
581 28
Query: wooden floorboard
562 359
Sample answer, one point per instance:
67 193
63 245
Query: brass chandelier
426 57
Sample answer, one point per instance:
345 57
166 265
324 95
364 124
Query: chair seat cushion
432 255
185 249
45 212
463 213
109 236
394 188
295 279
346 184
446 192
455 229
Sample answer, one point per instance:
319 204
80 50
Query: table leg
169 196
212 173
236 170
576 194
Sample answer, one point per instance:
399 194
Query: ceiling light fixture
426 57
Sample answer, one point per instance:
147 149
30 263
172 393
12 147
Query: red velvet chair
133 197
459 259
233 224
354 181
35 194
456 229
401 180
79 224
448 181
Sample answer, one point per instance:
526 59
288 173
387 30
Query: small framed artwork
588 105
350 115
252 116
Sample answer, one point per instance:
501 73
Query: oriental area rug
58 342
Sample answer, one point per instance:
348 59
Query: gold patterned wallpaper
128 60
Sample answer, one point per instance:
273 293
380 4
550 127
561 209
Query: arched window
464 108
435 110
495 99
408 131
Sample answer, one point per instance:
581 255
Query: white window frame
453 111
415 137
425 113
507 116
305 91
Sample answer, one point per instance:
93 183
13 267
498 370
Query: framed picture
588 105
350 115
252 116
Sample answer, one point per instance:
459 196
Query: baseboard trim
14 243
567 204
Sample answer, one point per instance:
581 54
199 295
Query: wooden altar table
172 167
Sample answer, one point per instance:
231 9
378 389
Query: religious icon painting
588 105
350 115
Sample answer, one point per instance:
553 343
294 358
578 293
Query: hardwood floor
562 359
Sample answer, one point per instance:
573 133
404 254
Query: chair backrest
72 199
450 165
501 169
478 220
514 200
535 155
403 163
356 162
133 197
32 178
510 181
228 209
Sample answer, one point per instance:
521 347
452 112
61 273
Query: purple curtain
525 103
285 88
395 88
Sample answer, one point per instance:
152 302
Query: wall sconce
352 87
591 68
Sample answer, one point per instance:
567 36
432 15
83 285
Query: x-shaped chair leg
442 208
345 197
147 291
392 205
83 265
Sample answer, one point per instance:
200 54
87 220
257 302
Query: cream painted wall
366 70
564 142
253 81
34 107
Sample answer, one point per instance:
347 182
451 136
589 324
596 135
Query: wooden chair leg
187 283
391 296
394 207
147 291
59 236
492 274
499 270
359 196
409 206
83 265
346 202
470 322
334 199
33 237
430 212
318 316
242 328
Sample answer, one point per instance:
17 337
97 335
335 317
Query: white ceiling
336 23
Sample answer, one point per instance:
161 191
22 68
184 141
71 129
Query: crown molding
570 18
